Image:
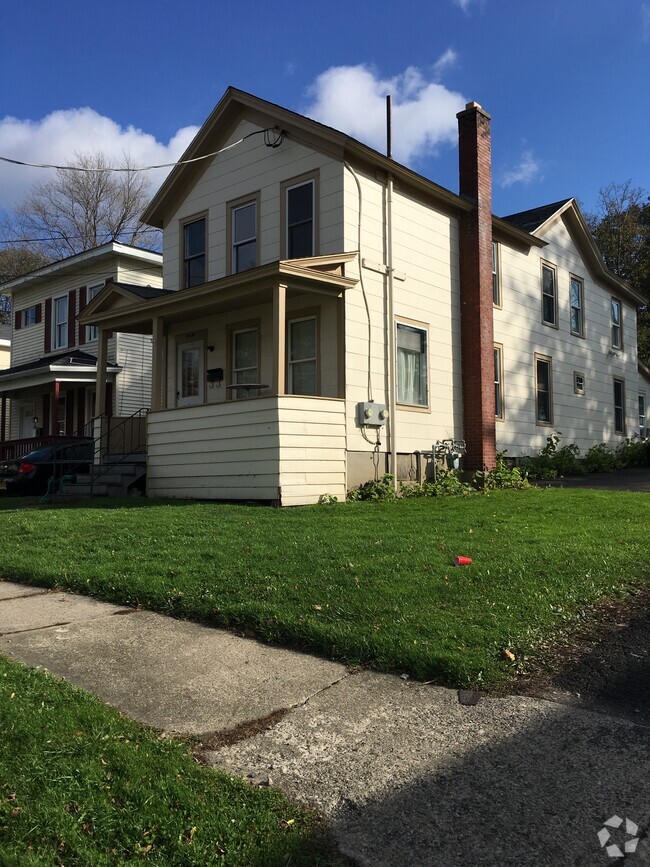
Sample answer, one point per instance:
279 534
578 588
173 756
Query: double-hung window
194 246
92 331
543 389
412 364
60 322
577 300
302 356
31 316
619 406
549 295
245 363
498 382
244 236
496 286
617 324
642 424
300 225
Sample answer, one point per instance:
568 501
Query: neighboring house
5 361
52 377
332 315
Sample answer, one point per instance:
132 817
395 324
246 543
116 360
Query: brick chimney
475 245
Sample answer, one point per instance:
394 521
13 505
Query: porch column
279 329
102 359
158 377
3 421
54 408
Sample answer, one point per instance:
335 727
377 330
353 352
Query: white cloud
57 137
464 4
527 169
445 61
353 99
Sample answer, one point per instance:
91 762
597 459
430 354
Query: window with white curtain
412 385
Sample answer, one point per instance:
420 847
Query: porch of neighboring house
248 382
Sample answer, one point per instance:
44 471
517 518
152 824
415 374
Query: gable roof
537 220
236 104
62 266
71 358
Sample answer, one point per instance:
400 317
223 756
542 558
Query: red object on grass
462 561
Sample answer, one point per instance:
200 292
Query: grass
365 583
81 786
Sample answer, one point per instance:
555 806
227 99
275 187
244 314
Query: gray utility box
371 414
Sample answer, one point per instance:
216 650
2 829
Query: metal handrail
98 469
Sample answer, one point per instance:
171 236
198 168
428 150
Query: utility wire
268 141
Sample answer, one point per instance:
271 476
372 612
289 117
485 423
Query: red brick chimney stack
475 245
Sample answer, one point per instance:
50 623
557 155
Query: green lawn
81 786
368 583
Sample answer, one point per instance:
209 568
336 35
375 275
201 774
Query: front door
26 415
190 373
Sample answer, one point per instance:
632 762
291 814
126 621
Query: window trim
499 416
546 359
300 316
424 327
56 325
553 270
576 388
186 221
497 300
285 186
236 328
231 207
615 300
643 428
618 380
581 283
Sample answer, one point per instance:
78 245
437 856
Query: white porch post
158 377
279 337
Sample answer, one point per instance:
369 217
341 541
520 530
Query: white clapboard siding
582 419
239 450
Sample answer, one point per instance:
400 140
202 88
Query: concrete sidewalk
405 773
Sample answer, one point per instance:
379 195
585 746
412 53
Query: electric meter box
371 414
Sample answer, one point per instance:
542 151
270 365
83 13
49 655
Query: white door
26 416
190 373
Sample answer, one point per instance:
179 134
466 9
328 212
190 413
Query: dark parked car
31 473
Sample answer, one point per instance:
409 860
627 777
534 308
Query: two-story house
52 377
333 314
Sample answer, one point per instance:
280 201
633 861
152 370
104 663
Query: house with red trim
327 315
49 388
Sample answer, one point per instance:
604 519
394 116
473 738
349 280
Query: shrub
376 489
502 476
633 453
600 459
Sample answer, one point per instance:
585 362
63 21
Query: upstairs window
244 237
617 324
496 286
577 293
31 316
549 296
619 406
60 322
300 232
194 245
92 331
412 386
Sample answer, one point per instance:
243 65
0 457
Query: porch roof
71 366
121 307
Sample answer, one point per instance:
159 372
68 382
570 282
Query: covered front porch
248 381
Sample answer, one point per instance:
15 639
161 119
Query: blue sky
567 82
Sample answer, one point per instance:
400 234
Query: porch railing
11 450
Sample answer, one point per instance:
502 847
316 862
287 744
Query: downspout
390 310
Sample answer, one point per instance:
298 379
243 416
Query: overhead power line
268 141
